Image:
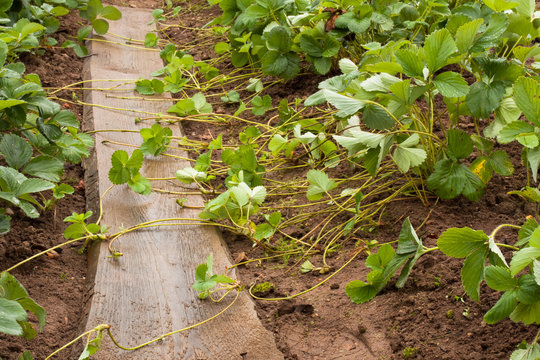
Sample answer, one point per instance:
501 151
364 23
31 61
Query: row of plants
402 103
278 34
400 61
37 137
386 116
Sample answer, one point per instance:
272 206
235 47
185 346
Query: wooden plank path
147 292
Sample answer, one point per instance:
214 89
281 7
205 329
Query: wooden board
147 292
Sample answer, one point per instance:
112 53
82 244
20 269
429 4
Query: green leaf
4 224
536 271
189 175
527 98
263 231
360 292
451 84
533 157
528 291
33 185
119 173
531 352
407 156
27 355
45 167
460 242
10 313
527 313
502 309
74 231
483 98
530 194
377 118
460 144
535 238
16 151
409 60
92 347
499 278
466 34
261 105
30 305
283 65
111 13
150 40
348 106
347 66
50 131
140 184
311 46
200 104
10 103
527 229
3 52
100 26
135 160
322 65
500 5
156 139
498 23
523 258
472 272
501 163
438 48
521 131
451 179
222 279
380 259
255 85
66 118
319 184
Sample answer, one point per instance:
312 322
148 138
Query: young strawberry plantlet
206 281
198 174
156 139
80 229
237 204
125 169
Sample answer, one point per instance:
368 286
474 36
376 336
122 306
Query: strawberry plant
14 306
206 280
518 280
125 169
418 139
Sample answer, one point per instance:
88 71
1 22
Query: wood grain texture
147 292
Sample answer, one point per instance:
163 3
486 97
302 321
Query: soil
430 318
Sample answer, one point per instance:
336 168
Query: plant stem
312 288
172 332
100 327
496 230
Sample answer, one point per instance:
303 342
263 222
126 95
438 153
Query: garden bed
431 317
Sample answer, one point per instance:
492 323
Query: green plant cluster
518 280
278 34
37 137
393 104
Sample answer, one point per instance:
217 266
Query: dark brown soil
430 318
